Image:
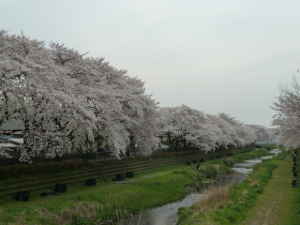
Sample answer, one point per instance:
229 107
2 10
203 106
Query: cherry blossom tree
287 117
70 103
203 131
264 134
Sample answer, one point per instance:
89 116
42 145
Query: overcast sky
216 56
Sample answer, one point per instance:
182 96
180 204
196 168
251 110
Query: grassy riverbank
109 201
280 203
231 205
274 206
295 209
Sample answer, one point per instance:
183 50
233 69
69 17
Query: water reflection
164 215
242 170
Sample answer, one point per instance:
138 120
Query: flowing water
167 214
164 215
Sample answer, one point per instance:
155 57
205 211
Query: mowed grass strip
295 209
275 206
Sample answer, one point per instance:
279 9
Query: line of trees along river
70 103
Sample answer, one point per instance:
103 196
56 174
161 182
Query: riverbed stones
130 174
90 182
60 188
22 196
47 193
119 177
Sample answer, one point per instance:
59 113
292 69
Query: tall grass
83 213
215 197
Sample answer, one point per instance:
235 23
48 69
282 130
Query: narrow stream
167 214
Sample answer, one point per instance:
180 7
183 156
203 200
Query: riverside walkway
276 206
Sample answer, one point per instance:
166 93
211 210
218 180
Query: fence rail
296 168
102 170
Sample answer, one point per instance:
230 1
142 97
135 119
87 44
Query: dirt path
274 206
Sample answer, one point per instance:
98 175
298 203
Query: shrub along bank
111 201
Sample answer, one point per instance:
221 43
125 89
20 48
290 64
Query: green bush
209 171
228 162
77 220
184 214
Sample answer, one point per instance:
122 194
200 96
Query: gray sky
217 56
